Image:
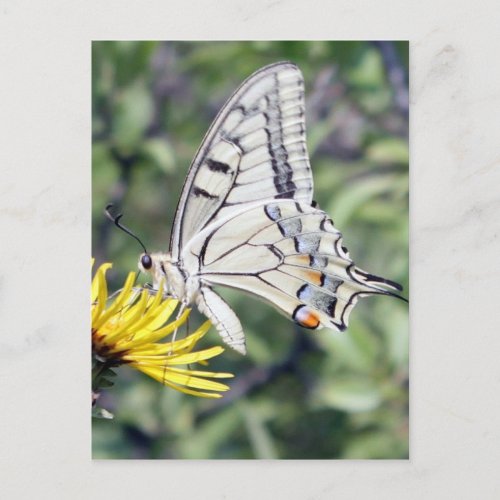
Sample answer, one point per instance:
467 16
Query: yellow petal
119 302
129 317
146 336
190 392
202 373
194 357
99 291
162 375
166 310
154 318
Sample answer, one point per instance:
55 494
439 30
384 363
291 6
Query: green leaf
351 395
396 335
356 195
160 152
104 383
259 435
204 440
388 150
377 444
132 115
368 70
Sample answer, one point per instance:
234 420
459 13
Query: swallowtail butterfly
246 218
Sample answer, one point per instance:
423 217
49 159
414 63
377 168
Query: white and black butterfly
246 218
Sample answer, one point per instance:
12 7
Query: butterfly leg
222 317
182 308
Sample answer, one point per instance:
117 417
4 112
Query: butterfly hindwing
289 254
254 151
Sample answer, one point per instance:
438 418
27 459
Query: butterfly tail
377 284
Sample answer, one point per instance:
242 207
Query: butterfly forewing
254 151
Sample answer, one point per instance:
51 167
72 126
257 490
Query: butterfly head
145 262
161 268
155 264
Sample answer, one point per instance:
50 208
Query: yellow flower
128 329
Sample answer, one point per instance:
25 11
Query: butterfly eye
146 261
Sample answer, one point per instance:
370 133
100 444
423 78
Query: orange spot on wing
306 318
310 275
303 259
298 260
314 277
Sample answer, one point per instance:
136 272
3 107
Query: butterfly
246 218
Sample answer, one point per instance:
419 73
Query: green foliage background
296 394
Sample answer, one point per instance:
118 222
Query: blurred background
297 394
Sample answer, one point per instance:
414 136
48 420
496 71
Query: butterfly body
246 220
175 281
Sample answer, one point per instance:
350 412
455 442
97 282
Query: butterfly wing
255 150
287 253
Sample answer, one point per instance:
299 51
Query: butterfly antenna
116 220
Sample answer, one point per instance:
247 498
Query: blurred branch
261 376
327 90
164 83
396 74
167 84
